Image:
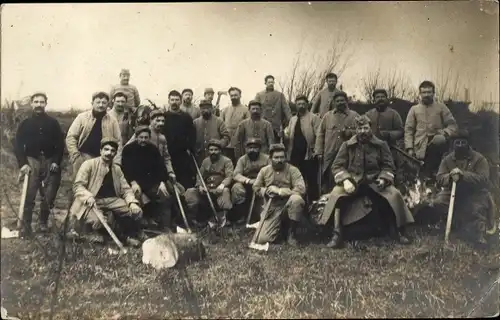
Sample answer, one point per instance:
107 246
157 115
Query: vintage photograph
258 160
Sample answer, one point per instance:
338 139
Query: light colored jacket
133 98
309 123
89 180
80 129
232 116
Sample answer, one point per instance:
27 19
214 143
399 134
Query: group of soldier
217 163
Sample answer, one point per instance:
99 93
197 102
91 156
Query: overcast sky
73 50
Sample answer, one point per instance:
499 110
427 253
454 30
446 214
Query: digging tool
249 216
106 226
406 155
320 178
22 202
257 246
450 212
219 95
181 208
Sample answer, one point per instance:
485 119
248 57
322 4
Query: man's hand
26 169
381 183
348 186
411 152
250 181
201 190
172 177
90 202
456 174
272 191
438 139
319 157
162 188
54 167
135 188
136 210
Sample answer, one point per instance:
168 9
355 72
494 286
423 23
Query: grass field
373 278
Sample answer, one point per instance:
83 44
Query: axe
23 200
257 246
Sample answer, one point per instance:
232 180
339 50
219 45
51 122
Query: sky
72 50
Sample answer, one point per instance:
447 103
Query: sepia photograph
250 160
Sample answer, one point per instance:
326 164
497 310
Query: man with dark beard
254 127
301 132
284 184
474 206
364 169
323 101
217 173
145 171
39 148
233 115
209 127
181 137
247 169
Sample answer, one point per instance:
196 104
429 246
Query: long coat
322 103
309 123
89 180
372 160
213 128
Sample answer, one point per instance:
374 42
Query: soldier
217 172
232 116
335 127
133 99
429 125
39 147
274 106
209 127
101 186
188 105
254 127
474 206
301 132
284 184
323 101
364 168
208 95
121 115
88 129
247 169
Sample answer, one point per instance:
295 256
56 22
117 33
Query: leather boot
399 235
336 242
292 234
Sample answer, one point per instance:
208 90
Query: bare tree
447 84
307 74
397 84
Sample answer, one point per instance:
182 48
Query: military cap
100 94
209 90
254 103
377 91
254 141
142 128
462 134
125 71
276 147
39 94
362 120
156 113
109 140
205 103
215 142
339 93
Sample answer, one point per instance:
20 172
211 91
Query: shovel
450 213
181 208
257 246
23 200
249 216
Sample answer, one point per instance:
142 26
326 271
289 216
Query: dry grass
373 278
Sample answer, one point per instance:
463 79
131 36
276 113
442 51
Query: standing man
247 169
217 173
387 125
188 105
88 129
428 128
335 127
254 127
209 127
39 148
323 101
284 184
133 99
101 186
181 138
208 95
232 116
301 132
275 107
121 115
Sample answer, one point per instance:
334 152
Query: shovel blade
253 225
260 247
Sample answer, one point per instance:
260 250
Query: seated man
474 206
217 173
364 169
247 169
101 186
144 169
284 184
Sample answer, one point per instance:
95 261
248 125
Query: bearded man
283 184
233 115
364 170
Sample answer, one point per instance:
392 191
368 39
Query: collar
346 111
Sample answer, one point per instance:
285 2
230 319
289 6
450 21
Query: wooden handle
249 216
450 212
20 215
106 226
181 208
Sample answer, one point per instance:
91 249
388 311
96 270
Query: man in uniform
188 106
301 133
364 169
232 116
335 127
121 115
88 129
217 173
323 101
101 186
247 168
274 106
474 206
283 185
254 127
133 99
39 148
428 128
209 127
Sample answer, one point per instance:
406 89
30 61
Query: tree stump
169 250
